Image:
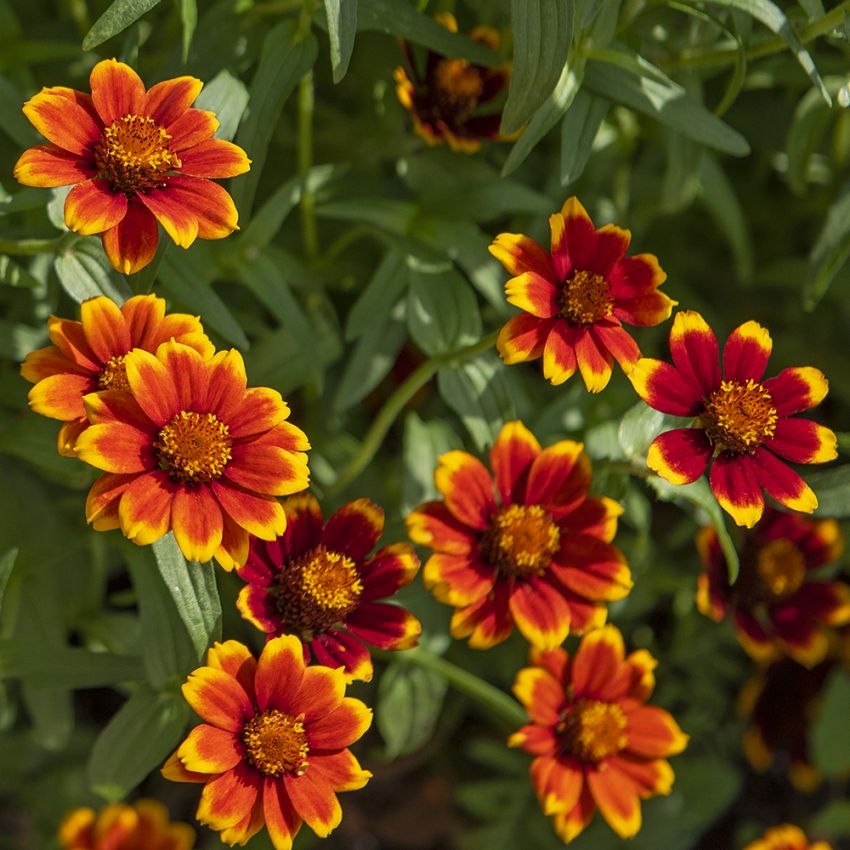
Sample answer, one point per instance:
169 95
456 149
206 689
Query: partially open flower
786 837
134 157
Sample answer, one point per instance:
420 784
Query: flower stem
396 402
31 247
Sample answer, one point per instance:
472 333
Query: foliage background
359 272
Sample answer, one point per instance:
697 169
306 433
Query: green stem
395 404
31 247
306 106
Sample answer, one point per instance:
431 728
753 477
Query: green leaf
543 31
284 59
581 123
12 120
342 27
407 707
193 588
85 272
7 563
830 742
189 19
66 667
812 119
227 96
832 487
424 442
832 820
829 253
136 741
379 296
115 19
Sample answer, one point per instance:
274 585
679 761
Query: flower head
778 609
743 426
576 298
88 356
538 554
445 101
143 825
134 157
786 837
273 747
192 449
319 582
596 744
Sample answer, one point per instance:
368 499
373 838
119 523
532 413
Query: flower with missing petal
319 582
530 548
273 747
135 157
742 425
777 607
786 837
576 297
596 745
445 101
88 356
144 825
191 449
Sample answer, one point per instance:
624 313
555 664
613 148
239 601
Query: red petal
196 522
228 384
279 675
432 525
236 660
336 648
208 749
116 90
180 222
388 570
342 727
519 253
802 441
573 239
797 389
510 459
385 626
49 165
592 568
559 353
152 386
534 294
215 159
92 207
617 800
559 477
258 514
522 338
653 733
131 244
746 353
572 823
233 551
282 821
466 487
486 622
340 770
612 242
65 117
228 798
781 482
218 699
645 310
116 448
598 662
680 456
618 342
315 801
165 102
735 483
540 612
594 361
189 373
695 352
103 498
105 328
458 579
304 524
145 507
321 692
636 278
354 529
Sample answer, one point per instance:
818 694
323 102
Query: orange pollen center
781 568
586 298
520 541
317 590
591 730
113 376
459 86
194 447
133 154
276 743
739 417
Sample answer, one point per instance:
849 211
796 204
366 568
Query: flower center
520 541
586 298
194 447
591 730
739 417
458 87
113 376
133 154
317 590
276 743
781 568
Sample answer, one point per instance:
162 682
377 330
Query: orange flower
88 356
143 825
134 157
273 745
786 837
596 744
191 449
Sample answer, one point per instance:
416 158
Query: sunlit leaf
119 16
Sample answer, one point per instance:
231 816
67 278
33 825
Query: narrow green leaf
832 487
115 19
581 123
830 742
189 19
380 295
11 274
12 120
829 253
85 272
227 96
7 563
812 119
424 442
342 27
66 667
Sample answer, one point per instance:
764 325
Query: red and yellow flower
576 297
193 450
445 101
526 546
743 425
319 582
144 825
786 837
135 157
596 745
778 609
273 747
88 356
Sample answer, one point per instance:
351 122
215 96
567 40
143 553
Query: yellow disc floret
521 540
194 447
113 376
591 730
739 416
586 298
276 743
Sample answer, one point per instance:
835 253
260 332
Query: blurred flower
88 356
444 103
576 298
742 425
777 609
540 556
192 450
273 745
319 582
786 837
134 157
596 745
143 825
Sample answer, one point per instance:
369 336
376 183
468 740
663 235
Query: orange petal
152 386
145 507
321 691
653 733
559 476
282 821
519 253
534 294
215 159
61 396
179 222
597 662
191 128
570 824
280 673
116 90
165 102
218 698
68 435
559 353
208 749
342 727
131 244
512 453
466 487
261 410
116 447
267 469
196 522
617 801
236 660
340 770
541 694
433 525
540 612
594 362
92 207
228 798
105 327
44 362
48 165
103 498
259 515
189 372
108 407
522 338
173 769
65 117
315 801
233 551
208 202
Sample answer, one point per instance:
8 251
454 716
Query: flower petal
458 579
165 102
570 824
173 769
280 672
618 342
131 244
559 477
486 622
559 353
648 777
519 253
65 117
145 507
258 514
47 166
340 770
533 294
179 221
189 199
103 499
680 456
466 487
695 352
217 698
314 800
236 660
432 525
522 338
388 570
746 352
261 410
594 361
196 522
116 448
541 694
336 648
540 612
803 441
105 327
797 389
617 800
92 207
208 749
342 727
282 821
598 661
511 456
116 90
592 568
653 733
781 482
735 483
61 396
321 691
573 239
152 386
666 389
226 799
215 159
191 128
384 625
354 529
233 551
646 310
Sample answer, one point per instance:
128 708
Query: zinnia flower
576 298
191 449
445 101
538 555
273 745
742 424
88 356
134 157
786 837
596 744
777 608
144 825
319 582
